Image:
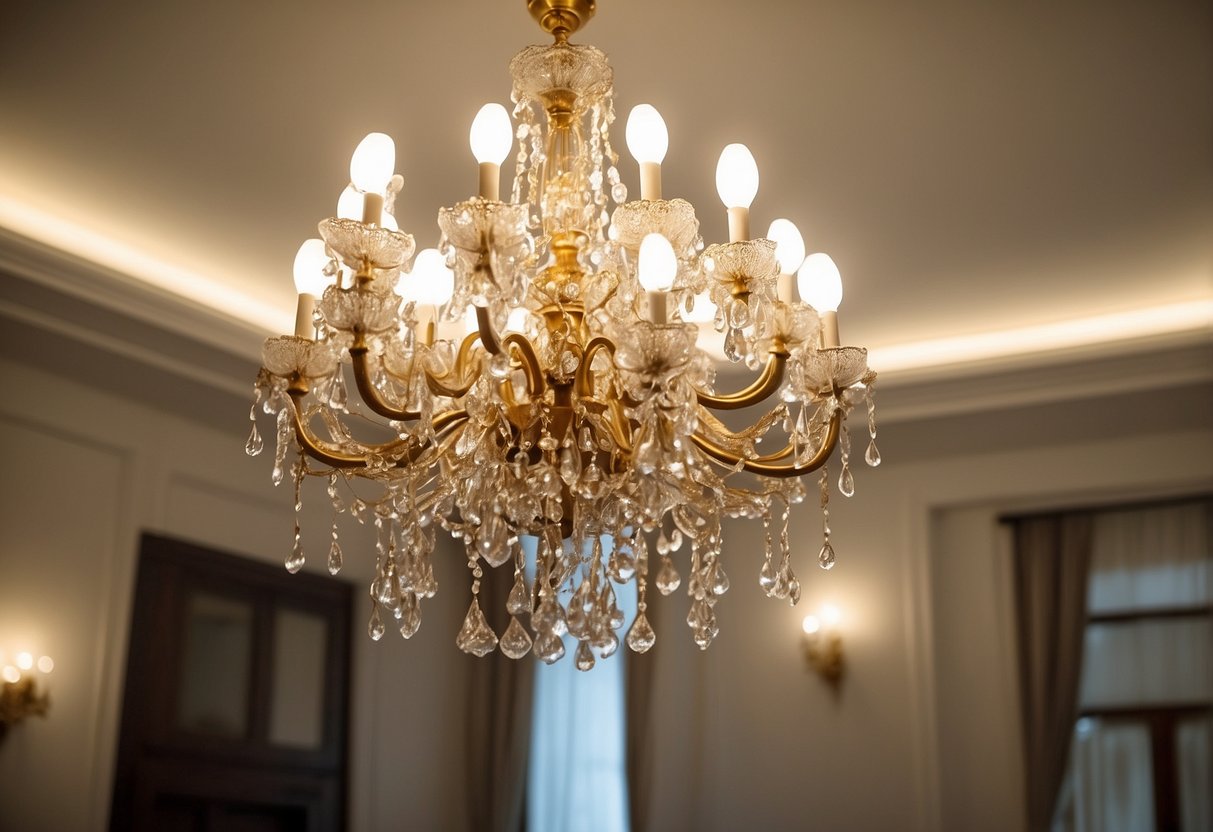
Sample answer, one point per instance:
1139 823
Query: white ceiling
972 167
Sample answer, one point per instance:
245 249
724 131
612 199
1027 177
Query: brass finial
561 18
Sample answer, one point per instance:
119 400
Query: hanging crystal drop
254 445
793 589
375 628
584 656
718 581
640 635
335 558
668 579
767 577
549 647
515 642
826 556
295 561
846 481
475 636
872 455
410 617
519 601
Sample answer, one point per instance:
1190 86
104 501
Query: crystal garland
585 423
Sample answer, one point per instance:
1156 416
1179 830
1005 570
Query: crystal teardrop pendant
515 642
667 577
374 627
410 618
294 561
549 647
335 558
584 657
826 556
519 601
475 636
846 481
255 444
872 455
640 635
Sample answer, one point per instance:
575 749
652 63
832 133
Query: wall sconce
21 696
822 644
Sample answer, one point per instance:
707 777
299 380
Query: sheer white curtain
578 748
1145 559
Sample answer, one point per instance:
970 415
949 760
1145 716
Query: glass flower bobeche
571 412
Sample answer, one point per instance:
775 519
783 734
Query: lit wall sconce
823 644
22 695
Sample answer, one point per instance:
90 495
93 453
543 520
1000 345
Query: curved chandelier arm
370 393
313 447
756 466
584 382
496 346
763 386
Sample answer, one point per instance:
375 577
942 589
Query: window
578 737
1140 753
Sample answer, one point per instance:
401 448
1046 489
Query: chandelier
543 374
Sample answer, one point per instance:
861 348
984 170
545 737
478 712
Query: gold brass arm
766 469
530 363
369 393
766 384
496 346
584 383
337 459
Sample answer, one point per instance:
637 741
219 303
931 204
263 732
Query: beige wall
922 734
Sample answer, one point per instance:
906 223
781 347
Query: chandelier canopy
577 407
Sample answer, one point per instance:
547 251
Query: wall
922 734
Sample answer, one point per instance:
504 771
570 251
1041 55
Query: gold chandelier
580 409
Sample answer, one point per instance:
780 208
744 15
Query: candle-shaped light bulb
789 245
25 660
810 625
11 674
820 286
656 268
430 283
371 169
349 204
310 282
491 137
648 140
737 184
46 664
831 617
789 251
310 261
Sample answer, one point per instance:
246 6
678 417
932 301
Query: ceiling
973 168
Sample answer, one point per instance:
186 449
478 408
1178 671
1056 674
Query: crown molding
81 305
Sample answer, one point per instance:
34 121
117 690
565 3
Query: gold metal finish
767 469
20 700
766 384
561 18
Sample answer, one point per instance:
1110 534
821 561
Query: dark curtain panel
638 676
499 721
1052 563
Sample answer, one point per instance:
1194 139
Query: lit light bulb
373 163
349 204
25 661
789 245
657 265
310 261
810 624
46 664
491 135
386 220
703 311
517 320
831 616
11 674
820 283
647 137
737 176
430 282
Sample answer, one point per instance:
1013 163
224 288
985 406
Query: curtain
1052 562
498 721
637 700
